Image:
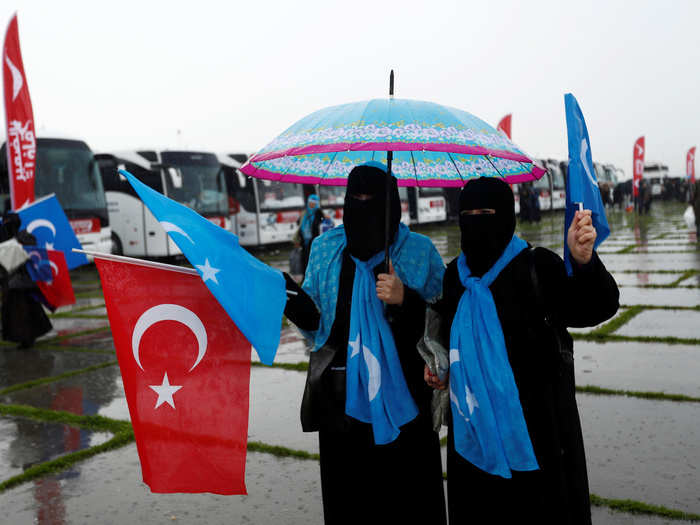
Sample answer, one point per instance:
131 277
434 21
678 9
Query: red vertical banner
638 165
690 165
504 124
19 119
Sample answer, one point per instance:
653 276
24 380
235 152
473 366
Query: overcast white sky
233 75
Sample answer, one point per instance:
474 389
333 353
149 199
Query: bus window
275 195
150 178
203 185
4 182
430 192
558 182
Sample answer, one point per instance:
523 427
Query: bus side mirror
175 177
122 178
241 179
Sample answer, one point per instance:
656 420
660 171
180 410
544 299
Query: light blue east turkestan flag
38 266
252 293
46 220
581 182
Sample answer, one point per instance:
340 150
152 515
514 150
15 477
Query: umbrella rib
325 175
494 167
415 171
449 155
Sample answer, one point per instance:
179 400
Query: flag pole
148 264
387 214
140 262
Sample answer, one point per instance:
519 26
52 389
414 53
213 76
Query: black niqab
364 219
485 236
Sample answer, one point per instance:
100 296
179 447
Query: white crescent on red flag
186 373
19 121
638 165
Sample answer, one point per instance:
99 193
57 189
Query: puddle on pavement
664 323
651 367
660 296
642 450
108 489
69 325
25 442
97 341
84 394
19 366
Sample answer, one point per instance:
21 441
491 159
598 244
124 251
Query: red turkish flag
19 121
59 291
638 165
186 372
504 124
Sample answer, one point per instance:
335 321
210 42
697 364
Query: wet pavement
646 450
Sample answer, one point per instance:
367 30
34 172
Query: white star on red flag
165 392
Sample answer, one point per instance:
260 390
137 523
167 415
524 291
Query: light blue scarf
416 261
376 390
489 426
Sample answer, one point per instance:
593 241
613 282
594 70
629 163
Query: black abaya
400 482
557 493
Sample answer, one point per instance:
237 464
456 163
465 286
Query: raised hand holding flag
252 293
581 184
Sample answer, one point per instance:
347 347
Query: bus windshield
275 195
557 175
430 192
203 184
68 169
332 195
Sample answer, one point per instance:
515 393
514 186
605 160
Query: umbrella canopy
432 145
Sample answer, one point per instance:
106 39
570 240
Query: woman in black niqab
361 482
533 313
364 210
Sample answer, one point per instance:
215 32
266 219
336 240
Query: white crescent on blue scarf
376 390
488 423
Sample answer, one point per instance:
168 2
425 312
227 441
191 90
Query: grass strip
80 349
660 396
639 507
92 294
68 315
616 322
53 379
80 333
627 249
283 452
607 338
82 309
301 366
662 307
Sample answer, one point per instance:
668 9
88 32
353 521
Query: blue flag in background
46 220
581 181
252 293
38 266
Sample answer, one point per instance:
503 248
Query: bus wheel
116 245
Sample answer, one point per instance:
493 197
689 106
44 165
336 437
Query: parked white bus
426 205
191 178
262 211
66 166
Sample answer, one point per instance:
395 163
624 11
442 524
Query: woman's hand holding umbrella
390 287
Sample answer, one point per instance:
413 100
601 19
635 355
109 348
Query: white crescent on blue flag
46 220
252 293
581 181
